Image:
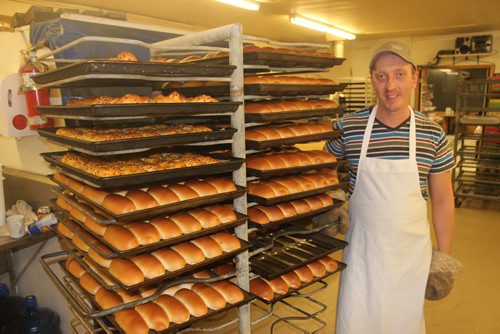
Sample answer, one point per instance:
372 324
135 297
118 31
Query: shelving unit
477 142
358 93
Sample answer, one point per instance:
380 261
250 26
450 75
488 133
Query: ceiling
369 19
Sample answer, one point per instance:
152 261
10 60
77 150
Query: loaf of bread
289 159
274 132
260 287
311 181
288 106
211 297
121 203
330 264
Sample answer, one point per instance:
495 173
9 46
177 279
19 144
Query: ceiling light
245 4
301 21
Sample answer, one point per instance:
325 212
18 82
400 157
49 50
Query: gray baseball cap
397 48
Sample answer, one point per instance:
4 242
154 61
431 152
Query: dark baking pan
226 164
290 219
260 89
133 144
287 171
121 73
288 254
295 114
159 210
293 292
241 219
108 111
291 197
261 145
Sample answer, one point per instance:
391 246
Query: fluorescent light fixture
245 4
301 21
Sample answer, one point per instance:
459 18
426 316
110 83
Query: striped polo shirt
433 150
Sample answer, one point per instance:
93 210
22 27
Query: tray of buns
138 110
139 168
125 73
155 311
289 188
291 252
125 240
265 217
290 283
149 269
106 141
284 163
146 203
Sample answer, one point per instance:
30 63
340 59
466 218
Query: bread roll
64 230
208 246
149 265
325 199
279 189
278 285
163 195
206 218
126 271
155 317
175 310
287 209
275 162
89 283
118 204
81 188
272 212
192 301
254 135
292 185
224 268
316 179
226 241
126 296
202 274
141 199
314 202
80 244
260 189
257 216
301 206
107 299
261 288
77 214
202 188
98 258
187 223
258 162
145 233
189 252
303 158
93 194
284 132
292 279
166 227
231 293
211 297
317 269
63 204
223 185
170 259
120 237
223 212
304 183
74 268
131 322
305 274
330 264
95 227
183 192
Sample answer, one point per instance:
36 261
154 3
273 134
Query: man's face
393 80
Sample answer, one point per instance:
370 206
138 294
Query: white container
15 224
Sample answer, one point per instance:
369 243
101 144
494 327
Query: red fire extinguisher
34 97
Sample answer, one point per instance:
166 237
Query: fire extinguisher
34 97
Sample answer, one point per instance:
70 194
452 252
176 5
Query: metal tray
260 89
226 164
287 171
291 197
295 114
261 145
133 144
277 261
159 210
125 73
241 219
287 220
278 59
120 111
291 292
168 275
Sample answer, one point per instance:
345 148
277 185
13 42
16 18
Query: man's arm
443 209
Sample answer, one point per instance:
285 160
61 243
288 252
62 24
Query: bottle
11 309
39 321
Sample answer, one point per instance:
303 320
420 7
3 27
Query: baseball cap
397 48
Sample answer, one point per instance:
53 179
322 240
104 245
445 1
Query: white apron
389 253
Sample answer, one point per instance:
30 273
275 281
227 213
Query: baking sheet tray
277 261
295 114
277 59
291 197
106 111
168 275
260 89
261 145
291 292
240 219
226 164
133 144
159 210
121 73
287 171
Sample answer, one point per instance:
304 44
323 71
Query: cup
15 224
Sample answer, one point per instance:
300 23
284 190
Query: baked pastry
287 106
273 132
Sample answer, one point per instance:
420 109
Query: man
397 158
